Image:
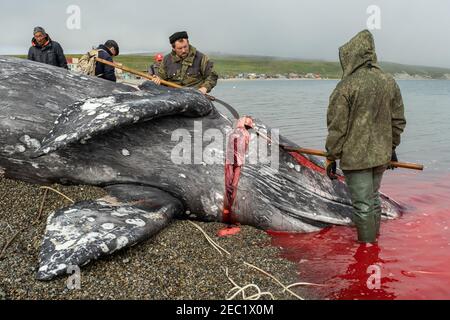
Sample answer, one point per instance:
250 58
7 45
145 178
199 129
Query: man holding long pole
365 120
187 66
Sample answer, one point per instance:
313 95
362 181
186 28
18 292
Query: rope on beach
41 208
242 289
211 241
60 193
2 253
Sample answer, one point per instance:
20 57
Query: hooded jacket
366 114
50 53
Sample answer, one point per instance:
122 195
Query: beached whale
60 127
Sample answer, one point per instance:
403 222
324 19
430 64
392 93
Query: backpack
87 63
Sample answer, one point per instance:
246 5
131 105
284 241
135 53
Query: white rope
241 290
211 241
61 194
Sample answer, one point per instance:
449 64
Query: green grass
232 65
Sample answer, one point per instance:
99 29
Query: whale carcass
61 127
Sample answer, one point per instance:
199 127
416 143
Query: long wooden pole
166 83
319 153
404 165
138 73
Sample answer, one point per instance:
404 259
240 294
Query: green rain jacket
366 114
196 70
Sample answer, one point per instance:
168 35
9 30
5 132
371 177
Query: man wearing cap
44 50
186 66
106 52
153 70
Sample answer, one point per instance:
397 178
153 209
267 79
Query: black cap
112 43
178 36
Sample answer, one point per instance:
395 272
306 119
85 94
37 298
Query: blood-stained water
411 260
413 256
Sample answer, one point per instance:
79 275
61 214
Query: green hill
233 65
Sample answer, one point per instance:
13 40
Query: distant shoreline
329 79
305 70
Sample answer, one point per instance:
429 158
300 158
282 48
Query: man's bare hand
203 90
157 80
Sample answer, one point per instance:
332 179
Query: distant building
72 64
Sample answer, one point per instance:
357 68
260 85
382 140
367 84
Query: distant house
251 76
293 75
72 64
280 76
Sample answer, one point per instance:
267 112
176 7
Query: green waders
364 186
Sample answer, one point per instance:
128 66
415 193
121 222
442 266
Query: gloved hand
331 169
394 159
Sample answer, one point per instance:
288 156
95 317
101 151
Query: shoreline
329 79
178 263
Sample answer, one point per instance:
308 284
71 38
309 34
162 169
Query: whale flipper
90 117
87 230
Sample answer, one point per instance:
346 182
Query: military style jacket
366 114
196 70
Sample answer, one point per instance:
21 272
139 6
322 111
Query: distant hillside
233 65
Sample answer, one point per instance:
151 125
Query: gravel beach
178 263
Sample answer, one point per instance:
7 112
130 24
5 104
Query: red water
413 252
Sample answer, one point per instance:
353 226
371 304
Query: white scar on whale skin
30 143
121 242
93 104
108 226
136 222
61 138
102 116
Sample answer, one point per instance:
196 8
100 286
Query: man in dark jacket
106 52
187 66
44 50
365 121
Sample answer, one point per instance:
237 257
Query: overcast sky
412 32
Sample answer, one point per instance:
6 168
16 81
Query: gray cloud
412 32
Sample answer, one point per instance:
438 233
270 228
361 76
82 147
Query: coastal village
72 63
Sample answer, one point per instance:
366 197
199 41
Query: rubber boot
377 217
366 227
360 185
377 177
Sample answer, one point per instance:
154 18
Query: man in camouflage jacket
187 66
365 120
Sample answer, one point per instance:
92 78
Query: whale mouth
314 218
